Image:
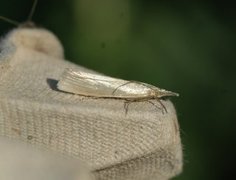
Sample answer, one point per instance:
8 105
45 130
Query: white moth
100 86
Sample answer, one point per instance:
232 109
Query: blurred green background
187 47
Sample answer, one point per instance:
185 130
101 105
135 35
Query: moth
101 86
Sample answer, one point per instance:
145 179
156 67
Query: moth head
160 93
36 39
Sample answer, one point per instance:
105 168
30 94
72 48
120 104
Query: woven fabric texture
142 144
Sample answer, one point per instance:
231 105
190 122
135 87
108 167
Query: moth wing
88 84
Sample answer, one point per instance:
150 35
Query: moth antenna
30 16
113 92
129 82
11 21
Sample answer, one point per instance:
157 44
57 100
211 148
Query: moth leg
128 102
153 104
163 106
126 105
